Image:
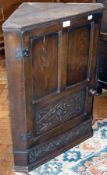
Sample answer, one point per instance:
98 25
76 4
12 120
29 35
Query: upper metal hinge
22 53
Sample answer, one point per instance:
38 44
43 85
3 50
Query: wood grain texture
102 55
47 13
45 81
100 106
6 155
78 55
104 18
33 78
44 64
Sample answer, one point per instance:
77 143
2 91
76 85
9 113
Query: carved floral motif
66 109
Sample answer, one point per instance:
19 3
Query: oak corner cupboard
51 52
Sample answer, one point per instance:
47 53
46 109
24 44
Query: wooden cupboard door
62 70
55 69
62 78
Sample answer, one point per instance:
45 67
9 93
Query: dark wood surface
6 154
102 55
7 7
104 18
51 87
37 13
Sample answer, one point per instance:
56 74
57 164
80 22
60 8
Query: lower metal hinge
22 53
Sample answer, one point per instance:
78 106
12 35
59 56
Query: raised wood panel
45 65
78 54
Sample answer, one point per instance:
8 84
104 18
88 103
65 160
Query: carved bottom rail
38 152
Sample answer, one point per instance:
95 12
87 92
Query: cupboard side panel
16 92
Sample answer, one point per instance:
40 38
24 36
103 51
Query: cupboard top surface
29 14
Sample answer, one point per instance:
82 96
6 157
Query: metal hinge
26 136
22 53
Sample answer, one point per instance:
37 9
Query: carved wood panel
55 114
49 147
